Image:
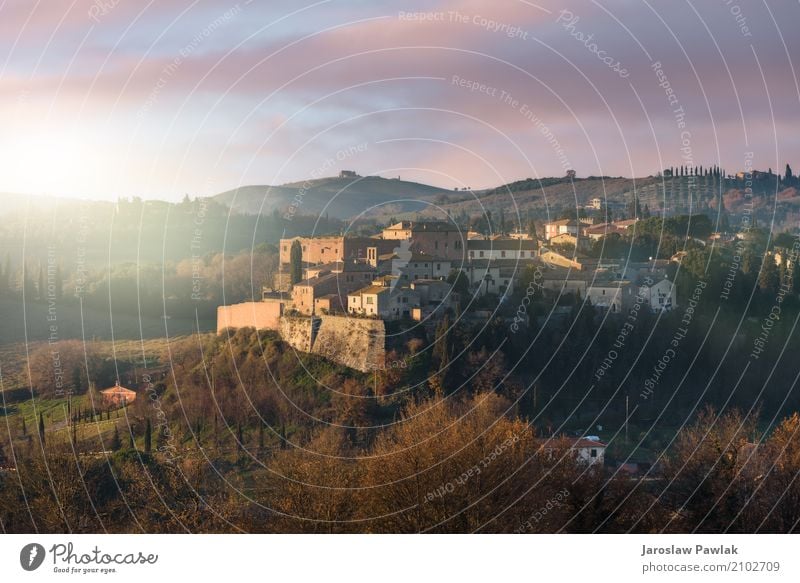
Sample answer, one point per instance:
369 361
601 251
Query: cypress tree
41 428
116 442
296 262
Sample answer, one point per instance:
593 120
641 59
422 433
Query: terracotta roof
371 289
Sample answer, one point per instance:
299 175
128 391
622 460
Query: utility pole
626 418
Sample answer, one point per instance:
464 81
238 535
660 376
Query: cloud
262 93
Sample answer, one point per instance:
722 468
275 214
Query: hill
338 197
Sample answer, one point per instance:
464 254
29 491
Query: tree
788 176
116 442
41 428
296 262
460 283
532 230
148 437
768 279
77 383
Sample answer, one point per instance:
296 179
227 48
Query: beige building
118 396
329 249
435 238
383 302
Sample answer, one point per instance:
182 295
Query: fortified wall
355 342
298 331
258 315
359 343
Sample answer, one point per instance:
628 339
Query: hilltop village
334 295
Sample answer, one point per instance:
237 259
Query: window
457 245
481 253
439 266
370 300
472 254
502 253
521 254
436 244
593 453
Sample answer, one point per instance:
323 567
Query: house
614 296
433 292
317 250
484 277
411 266
338 278
586 450
577 242
383 302
328 304
590 450
597 232
435 238
505 248
348 174
659 293
554 228
305 292
118 396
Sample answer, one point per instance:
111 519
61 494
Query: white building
383 302
416 266
659 294
610 295
496 249
588 450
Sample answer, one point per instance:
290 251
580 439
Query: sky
162 98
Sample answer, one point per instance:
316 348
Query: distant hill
338 197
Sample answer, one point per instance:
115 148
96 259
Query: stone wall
298 332
258 315
359 343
